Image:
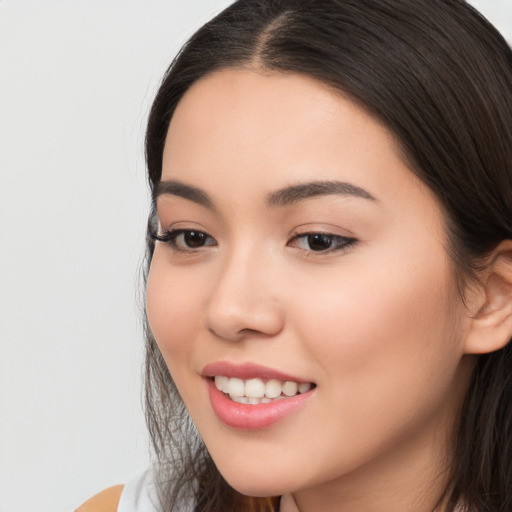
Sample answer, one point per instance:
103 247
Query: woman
329 288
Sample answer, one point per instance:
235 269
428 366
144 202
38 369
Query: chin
256 485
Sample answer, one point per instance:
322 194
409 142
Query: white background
76 81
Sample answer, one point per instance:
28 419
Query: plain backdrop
76 81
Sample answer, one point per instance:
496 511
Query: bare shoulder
105 501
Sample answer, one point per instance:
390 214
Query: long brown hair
440 77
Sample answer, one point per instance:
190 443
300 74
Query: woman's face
299 247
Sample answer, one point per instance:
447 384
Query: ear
491 324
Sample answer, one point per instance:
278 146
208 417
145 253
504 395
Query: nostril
256 320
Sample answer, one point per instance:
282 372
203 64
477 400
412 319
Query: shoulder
105 501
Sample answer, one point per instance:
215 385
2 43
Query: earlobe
491 326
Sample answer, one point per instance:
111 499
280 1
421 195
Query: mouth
251 397
258 391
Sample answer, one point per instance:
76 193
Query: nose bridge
245 297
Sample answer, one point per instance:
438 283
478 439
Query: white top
140 495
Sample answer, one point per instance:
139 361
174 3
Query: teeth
290 388
222 383
236 387
273 388
254 388
240 399
304 386
257 391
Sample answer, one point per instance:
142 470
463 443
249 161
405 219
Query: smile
258 391
249 396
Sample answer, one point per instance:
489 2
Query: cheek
171 306
383 327
387 355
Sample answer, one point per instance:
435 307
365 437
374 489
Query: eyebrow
176 188
294 194
282 197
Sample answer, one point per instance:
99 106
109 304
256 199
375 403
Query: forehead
275 119
242 133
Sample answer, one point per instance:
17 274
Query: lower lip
253 417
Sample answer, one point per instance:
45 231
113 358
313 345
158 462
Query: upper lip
246 371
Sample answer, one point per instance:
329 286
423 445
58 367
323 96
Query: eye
185 240
321 242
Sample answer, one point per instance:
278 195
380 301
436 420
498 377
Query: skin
377 325
105 501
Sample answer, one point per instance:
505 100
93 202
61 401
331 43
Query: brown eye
319 242
185 240
194 239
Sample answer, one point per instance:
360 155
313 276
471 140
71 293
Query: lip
246 371
245 416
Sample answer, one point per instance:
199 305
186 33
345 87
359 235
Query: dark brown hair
440 77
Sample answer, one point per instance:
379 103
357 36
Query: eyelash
341 243
337 242
169 237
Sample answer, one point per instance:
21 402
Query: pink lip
253 417
246 371
245 416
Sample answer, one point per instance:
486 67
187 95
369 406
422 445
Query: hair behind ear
483 449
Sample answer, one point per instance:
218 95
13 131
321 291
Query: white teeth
240 399
255 388
303 387
257 391
221 383
290 388
236 387
273 388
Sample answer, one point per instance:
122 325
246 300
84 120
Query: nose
245 300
